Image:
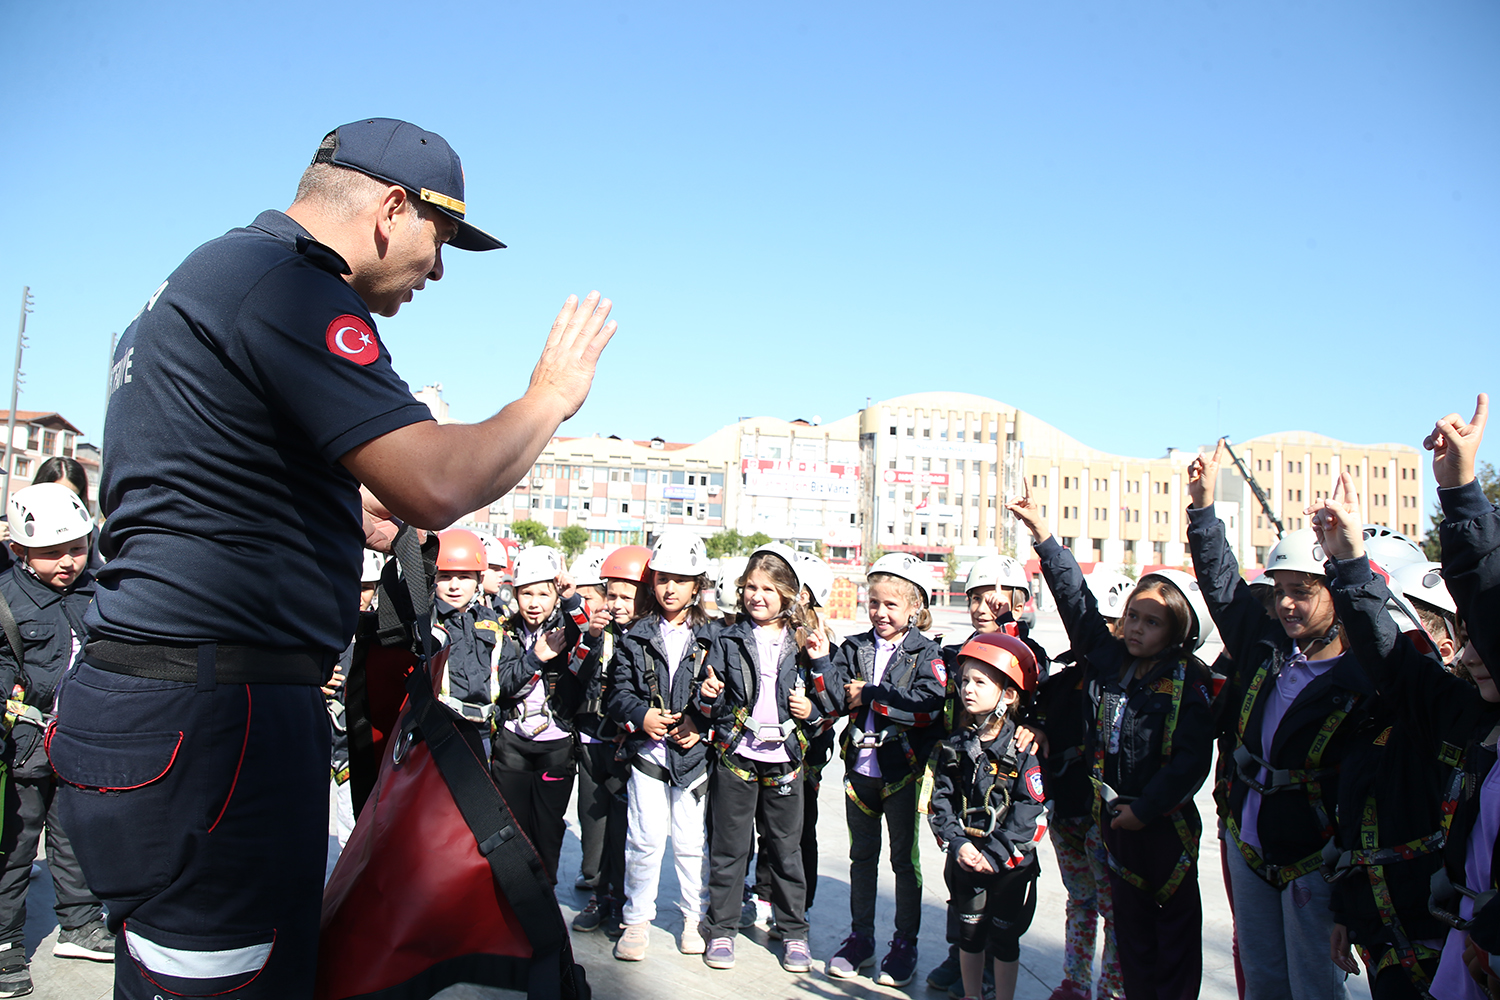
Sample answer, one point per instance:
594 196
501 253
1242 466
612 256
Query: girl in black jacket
1150 749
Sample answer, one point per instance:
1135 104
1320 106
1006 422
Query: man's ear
389 213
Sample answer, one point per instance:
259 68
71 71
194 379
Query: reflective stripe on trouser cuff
184 964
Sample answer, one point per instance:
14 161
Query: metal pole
15 392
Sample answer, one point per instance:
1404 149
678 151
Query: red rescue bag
428 889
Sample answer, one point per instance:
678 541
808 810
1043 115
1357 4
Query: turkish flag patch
940 670
1034 784
351 337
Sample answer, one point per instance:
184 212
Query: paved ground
667 975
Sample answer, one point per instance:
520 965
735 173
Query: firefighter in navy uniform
251 400
47 590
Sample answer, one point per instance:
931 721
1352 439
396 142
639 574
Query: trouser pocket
198 965
141 776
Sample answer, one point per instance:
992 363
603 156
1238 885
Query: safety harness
857 739
1107 724
729 735
1308 777
650 768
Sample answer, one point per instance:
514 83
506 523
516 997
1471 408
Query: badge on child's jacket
1034 784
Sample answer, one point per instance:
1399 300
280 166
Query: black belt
227 664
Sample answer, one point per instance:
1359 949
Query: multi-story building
40 435
928 473
939 465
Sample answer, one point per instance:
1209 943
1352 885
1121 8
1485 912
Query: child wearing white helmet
539 685
890 682
656 674
754 693
1149 752
47 591
340 795
1297 698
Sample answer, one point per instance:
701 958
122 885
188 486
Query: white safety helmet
585 569
680 552
998 571
1389 549
1423 582
1111 591
908 567
374 563
494 551
47 514
538 563
1203 628
726 582
817 576
1298 551
786 554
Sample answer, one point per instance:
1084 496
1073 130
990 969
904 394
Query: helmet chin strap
1326 639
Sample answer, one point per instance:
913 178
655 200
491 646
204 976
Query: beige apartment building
927 473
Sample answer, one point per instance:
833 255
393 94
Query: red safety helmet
1005 653
461 551
626 563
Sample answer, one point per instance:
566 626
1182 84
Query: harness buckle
1444 896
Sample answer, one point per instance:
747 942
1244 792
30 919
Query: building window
31 439
893 433
49 442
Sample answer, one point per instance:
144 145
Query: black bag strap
12 635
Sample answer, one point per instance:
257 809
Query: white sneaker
692 942
633 941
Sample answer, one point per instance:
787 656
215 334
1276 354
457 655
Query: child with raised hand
753 690
537 694
989 812
1405 818
1470 531
1296 701
890 681
1150 750
655 671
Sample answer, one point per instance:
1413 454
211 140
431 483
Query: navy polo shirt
233 394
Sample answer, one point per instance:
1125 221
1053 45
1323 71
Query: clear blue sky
1146 223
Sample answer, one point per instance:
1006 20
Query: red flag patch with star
351 337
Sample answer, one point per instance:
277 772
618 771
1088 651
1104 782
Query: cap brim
471 237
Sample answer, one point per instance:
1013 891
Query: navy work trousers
200 816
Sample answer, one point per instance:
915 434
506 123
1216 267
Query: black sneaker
612 921
15 974
90 941
591 915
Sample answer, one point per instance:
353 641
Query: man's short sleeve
313 346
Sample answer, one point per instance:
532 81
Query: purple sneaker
720 954
900 963
795 957
857 951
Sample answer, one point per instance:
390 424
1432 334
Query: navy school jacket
1137 771
1470 535
629 698
734 659
965 770
1290 829
910 694
1426 711
472 635
518 667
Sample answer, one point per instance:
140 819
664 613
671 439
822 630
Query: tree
724 543
755 541
950 571
573 539
531 532
818 550
874 554
1489 482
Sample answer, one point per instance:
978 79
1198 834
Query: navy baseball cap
398 152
